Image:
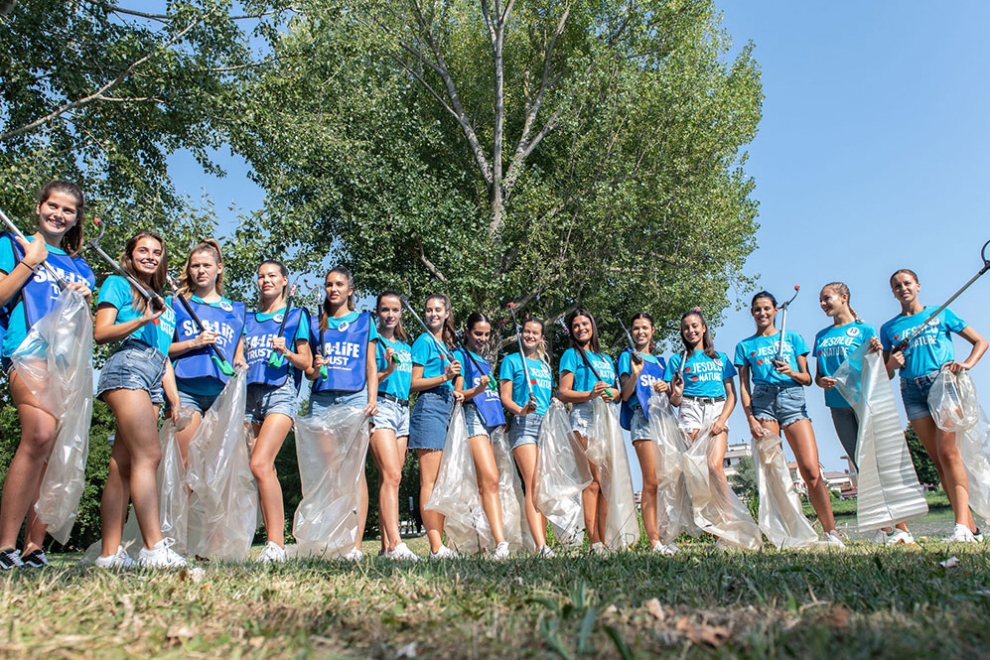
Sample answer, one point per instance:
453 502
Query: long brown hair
400 332
72 240
210 245
652 346
158 278
282 271
325 307
707 343
449 332
593 343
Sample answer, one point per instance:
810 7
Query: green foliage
923 463
598 164
743 482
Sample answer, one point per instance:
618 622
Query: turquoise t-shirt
396 383
832 346
584 378
625 362
426 353
931 348
758 354
541 381
703 376
117 292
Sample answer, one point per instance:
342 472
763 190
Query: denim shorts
783 404
197 402
914 393
692 413
525 430
320 402
429 418
475 424
581 417
847 428
639 427
134 366
264 400
391 415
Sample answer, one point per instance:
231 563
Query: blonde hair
211 245
841 289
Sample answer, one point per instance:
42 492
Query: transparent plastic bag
953 401
55 363
717 509
510 491
674 513
331 449
888 488
781 516
956 407
455 493
562 473
621 522
224 501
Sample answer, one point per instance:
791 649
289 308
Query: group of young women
175 351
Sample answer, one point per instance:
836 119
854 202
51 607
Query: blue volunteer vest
258 347
345 350
488 403
41 291
227 321
650 374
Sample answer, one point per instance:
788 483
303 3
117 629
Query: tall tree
552 152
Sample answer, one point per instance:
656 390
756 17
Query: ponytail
843 290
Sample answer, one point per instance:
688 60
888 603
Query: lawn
866 601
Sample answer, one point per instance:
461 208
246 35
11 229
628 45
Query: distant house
843 483
733 454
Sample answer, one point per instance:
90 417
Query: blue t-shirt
703 376
758 354
396 383
584 378
117 292
541 381
931 348
426 353
832 346
73 269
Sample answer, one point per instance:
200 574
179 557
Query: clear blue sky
872 155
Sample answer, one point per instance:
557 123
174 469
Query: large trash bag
455 493
674 513
781 516
511 496
955 407
717 509
331 449
888 488
562 473
224 501
607 444
55 363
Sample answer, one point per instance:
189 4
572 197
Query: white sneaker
832 540
545 552
161 556
880 537
272 553
900 536
402 553
599 548
960 534
444 553
662 549
501 551
354 555
119 559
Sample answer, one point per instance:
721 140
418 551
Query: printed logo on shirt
225 332
278 318
226 306
853 332
344 325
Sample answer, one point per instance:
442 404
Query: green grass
936 500
867 601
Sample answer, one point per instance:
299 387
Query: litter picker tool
902 344
584 357
155 301
62 282
783 324
522 352
324 374
218 357
277 359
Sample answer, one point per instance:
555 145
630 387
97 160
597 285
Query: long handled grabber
522 352
902 344
324 374
218 357
783 324
155 301
62 282
277 359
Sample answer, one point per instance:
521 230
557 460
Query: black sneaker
36 559
10 559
